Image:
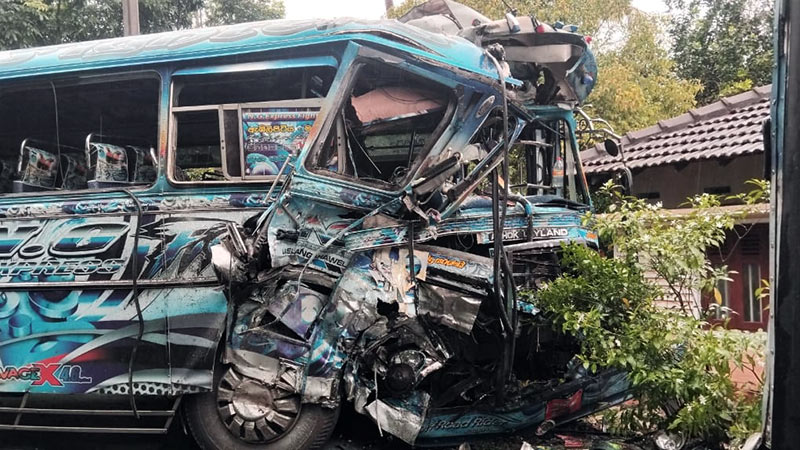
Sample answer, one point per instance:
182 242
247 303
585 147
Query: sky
374 9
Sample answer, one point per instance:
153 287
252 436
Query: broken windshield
389 120
545 167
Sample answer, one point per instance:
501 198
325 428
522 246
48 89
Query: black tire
312 428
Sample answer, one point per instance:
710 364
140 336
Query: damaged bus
250 226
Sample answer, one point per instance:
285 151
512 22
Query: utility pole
130 17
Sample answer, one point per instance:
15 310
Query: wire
135 298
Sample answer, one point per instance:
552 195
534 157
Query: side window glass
389 120
243 126
68 136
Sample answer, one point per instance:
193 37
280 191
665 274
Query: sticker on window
271 135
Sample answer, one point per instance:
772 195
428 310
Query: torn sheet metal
403 418
369 283
447 307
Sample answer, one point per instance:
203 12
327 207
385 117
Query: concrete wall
676 183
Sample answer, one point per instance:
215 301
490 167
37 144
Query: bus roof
201 43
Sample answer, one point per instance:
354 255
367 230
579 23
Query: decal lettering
89 239
47 374
307 254
442 261
549 232
62 267
12 239
56 375
73 374
462 424
519 234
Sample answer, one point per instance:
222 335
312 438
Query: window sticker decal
271 135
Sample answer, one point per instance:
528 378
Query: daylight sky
374 9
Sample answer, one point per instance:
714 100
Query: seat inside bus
47 166
75 134
118 164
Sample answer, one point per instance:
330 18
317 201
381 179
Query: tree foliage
674 247
679 365
28 23
237 11
637 85
725 44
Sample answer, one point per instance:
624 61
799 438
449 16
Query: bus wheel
243 413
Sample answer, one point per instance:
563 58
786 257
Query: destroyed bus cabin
249 227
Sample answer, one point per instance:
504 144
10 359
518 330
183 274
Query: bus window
544 164
390 118
197 153
244 125
44 129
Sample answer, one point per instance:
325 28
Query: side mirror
611 146
434 177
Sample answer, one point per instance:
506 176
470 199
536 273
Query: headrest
110 162
38 167
73 172
145 170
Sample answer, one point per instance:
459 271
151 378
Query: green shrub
679 366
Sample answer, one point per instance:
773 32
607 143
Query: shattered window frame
367 56
575 187
307 104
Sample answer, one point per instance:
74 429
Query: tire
310 428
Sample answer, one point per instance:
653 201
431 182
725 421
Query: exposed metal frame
22 410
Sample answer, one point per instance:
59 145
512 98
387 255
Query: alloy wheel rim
253 411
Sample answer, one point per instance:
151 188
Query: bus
246 227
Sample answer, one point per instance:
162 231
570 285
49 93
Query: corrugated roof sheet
725 129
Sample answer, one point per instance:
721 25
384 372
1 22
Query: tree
237 11
725 44
637 85
679 365
19 20
680 371
28 23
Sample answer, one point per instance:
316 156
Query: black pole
785 309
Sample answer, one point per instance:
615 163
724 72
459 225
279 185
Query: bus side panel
71 324
196 303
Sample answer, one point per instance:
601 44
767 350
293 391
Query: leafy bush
679 367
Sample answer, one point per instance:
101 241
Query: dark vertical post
784 394
130 17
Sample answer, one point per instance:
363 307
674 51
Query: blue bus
247 227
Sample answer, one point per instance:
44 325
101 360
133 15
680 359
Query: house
712 149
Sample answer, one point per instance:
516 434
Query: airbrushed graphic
86 334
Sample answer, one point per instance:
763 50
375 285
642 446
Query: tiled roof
725 129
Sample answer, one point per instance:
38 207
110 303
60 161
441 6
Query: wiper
567 203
